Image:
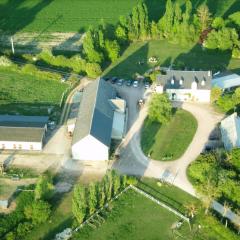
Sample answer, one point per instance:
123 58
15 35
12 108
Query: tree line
87 199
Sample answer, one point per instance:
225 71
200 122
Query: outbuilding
185 85
22 132
230 131
101 118
226 81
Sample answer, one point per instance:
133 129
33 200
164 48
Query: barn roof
95 116
177 79
22 128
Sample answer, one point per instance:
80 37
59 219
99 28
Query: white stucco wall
189 95
90 149
11 145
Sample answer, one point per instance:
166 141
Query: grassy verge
170 141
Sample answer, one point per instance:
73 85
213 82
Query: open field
170 141
25 94
76 15
192 57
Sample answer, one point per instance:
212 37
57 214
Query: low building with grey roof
185 85
22 132
95 126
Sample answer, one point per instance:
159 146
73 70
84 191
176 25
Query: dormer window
203 83
172 81
181 81
194 85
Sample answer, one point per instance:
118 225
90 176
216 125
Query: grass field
192 57
25 94
168 142
77 15
134 217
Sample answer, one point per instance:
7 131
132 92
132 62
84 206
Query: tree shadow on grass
135 62
12 8
204 59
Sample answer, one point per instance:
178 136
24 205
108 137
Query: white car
135 84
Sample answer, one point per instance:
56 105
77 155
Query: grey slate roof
95 116
22 128
187 78
23 134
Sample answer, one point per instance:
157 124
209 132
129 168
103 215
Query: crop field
76 15
25 94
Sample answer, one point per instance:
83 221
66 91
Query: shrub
93 70
5 62
44 187
38 212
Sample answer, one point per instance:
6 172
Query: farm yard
26 94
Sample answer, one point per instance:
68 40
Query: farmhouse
185 85
101 117
230 131
22 132
226 81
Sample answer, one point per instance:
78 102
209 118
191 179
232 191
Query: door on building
174 96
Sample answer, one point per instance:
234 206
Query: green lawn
192 57
26 94
77 15
168 142
134 217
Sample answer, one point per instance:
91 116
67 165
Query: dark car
129 83
106 79
114 80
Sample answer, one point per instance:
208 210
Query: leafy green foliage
215 94
44 187
113 50
93 70
38 212
204 16
160 108
219 172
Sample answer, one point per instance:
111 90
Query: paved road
133 161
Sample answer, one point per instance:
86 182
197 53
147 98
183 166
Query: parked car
146 85
120 82
129 83
114 80
135 84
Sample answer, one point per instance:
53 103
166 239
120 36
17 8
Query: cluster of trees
216 176
86 200
33 208
226 102
160 108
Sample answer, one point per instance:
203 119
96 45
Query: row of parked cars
129 83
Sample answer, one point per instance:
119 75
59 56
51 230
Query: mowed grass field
77 15
134 217
25 94
169 141
192 57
